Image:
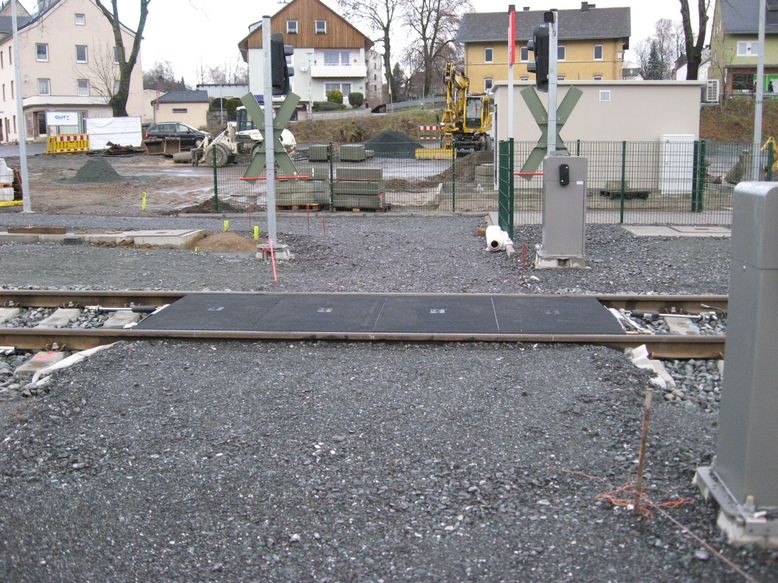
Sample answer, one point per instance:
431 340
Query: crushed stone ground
312 461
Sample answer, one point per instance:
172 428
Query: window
344 88
321 27
11 58
44 87
598 52
80 53
524 56
334 58
83 87
598 77
488 84
524 78
80 19
291 27
747 48
488 55
116 55
561 52
741 82
41 52
560 77
116 83
180 110
605 95
12 92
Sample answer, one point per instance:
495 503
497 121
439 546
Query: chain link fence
683 182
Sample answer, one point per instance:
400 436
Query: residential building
68 59
330 54
735 46
591 42
189 107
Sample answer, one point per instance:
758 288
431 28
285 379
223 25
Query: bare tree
435 23
118 100
379 16
162 78
693 47
659 54
104 72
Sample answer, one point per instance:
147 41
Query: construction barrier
430 133
67 144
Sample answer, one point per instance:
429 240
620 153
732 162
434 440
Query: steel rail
659 346
55 298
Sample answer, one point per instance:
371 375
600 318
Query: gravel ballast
306 461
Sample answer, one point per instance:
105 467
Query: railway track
74 338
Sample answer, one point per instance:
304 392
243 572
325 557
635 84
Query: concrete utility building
592 42
189 107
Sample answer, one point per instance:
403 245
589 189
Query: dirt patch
393 144
96 170
226 242
464 168
208 206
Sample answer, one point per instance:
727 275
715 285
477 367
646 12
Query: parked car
188 135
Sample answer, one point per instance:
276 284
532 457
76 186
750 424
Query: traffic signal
539 44
279 69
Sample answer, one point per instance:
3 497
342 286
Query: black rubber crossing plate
386 314
548 315
437 315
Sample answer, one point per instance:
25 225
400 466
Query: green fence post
695 175
770 162
453 178
330 156
578 147
511 179
623 180
215 179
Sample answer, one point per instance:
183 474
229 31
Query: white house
330 54
67 53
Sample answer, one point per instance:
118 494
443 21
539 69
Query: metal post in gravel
643 445
623 180
453 178
215 179
330 156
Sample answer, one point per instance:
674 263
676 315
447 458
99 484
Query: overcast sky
192 33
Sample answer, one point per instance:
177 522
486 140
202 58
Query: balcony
339 71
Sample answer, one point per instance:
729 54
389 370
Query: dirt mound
228 242
95 170
464 169
393 144
208 206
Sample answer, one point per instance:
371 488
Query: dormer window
321 27
291 27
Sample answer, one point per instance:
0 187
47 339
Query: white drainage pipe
496 238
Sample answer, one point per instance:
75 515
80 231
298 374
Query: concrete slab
39 361
6 237
8 314
121 319
178 239
107 238
677 231
682 326
60 318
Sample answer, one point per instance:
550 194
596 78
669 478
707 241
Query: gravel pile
329 462
96 169
393 144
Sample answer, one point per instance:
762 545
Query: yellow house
592 42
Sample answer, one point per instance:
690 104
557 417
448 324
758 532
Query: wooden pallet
303 206
362 210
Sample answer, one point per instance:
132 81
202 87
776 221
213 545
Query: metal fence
685 182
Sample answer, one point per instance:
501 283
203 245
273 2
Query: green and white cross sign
283 115
540 114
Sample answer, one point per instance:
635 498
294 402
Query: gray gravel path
370 253
176 461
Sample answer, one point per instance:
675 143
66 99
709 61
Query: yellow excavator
466 121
